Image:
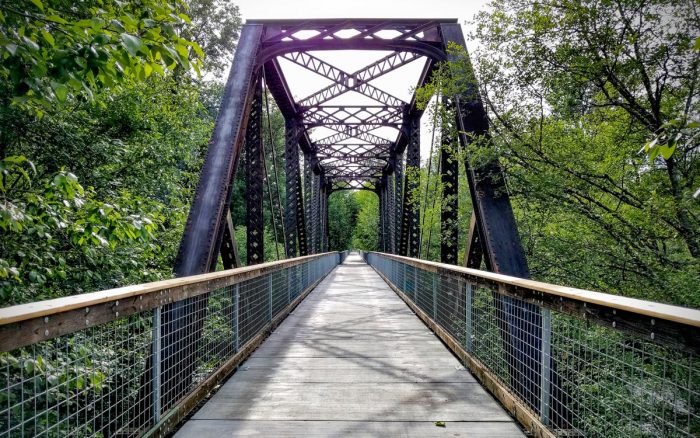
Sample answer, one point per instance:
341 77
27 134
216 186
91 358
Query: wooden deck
351 360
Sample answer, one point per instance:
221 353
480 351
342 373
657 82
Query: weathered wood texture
351 360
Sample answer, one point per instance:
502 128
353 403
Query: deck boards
351 360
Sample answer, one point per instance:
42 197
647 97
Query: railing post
415 285
269 296
404 277
156 364
435 297
468 303
545 365
236 315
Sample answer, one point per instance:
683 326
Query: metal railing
134 361
565 362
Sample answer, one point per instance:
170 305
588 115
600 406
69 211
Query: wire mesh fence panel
121 377
579 377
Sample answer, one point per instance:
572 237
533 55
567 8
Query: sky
301 83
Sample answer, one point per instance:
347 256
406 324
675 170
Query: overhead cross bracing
352 108
345 89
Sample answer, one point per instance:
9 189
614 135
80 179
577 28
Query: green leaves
38 4
54 56
132 43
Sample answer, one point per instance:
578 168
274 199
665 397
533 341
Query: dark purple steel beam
521 323
204 230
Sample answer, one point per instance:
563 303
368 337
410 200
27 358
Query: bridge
337 343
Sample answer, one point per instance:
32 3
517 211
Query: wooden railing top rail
48 308
677 314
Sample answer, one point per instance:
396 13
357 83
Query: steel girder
521 327
449 168
359 138
410 218
254 177
308 195
293 188
398 200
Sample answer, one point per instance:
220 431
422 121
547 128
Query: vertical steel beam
390 210
398 201
182 322
309 202
449 168
315 224
291 157
301 218
381 194
254 180
520 322
326 234
410 228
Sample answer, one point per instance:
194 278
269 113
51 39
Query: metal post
294 196
156 364
435 297
236 300
269 295
254 180
404 277
468 329
545 369
449 227
415 285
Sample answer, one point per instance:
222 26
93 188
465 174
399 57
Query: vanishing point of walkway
351 360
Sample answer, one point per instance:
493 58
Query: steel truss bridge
550 360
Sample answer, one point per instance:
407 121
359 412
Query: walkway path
351 360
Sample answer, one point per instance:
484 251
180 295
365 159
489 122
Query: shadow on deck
351 360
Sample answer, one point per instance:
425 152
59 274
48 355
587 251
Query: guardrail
604 365
134 361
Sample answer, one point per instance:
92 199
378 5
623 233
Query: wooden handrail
48 308
682 315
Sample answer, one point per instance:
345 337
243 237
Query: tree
574 90
52 52
215 27
94 187
342 218
365 236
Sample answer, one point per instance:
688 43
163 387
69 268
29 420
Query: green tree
365 235
574 90
342 218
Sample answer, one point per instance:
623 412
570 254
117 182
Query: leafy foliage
53 51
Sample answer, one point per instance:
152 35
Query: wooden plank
518 409
355 429
173 417
353 359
